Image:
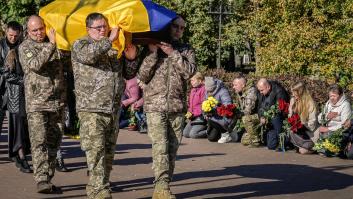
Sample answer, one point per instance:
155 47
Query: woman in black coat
19 144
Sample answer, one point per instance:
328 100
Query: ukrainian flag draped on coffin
68 17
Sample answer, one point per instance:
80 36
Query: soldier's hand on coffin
166 48
114 34
130 52
51 36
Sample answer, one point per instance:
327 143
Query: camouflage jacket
166 79
247 100
43 76
98 75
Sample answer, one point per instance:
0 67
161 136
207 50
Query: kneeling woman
303 104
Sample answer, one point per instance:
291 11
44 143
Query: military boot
162 191
104 194
60 165
44 187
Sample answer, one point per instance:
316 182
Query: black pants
214 131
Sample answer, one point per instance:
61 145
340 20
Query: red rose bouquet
295 123
227 111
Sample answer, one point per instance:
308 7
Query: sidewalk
203 170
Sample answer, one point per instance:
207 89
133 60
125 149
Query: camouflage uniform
44 95
98 87
250 119
165 102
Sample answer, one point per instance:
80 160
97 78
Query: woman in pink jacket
196 125
131 95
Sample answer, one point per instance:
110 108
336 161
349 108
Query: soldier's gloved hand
51 36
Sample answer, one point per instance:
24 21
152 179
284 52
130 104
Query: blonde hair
305 103
198 76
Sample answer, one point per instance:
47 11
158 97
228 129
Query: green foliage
18 10
310 38
303 38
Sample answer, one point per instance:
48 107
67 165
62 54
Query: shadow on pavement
148 160
286 179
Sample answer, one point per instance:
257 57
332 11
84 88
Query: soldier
10 41
99 85
44 89
246 96
165 71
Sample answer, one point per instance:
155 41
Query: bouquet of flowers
280 106
227 111
332 145
292 124
295 123
132 120
209 106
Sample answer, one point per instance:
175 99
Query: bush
317 87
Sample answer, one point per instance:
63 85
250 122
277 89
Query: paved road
204 170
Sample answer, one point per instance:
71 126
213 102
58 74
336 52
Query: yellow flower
331 147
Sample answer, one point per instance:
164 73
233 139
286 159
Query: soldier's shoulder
81 42
27 43
26 48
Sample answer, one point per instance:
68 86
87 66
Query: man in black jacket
10 41
269 94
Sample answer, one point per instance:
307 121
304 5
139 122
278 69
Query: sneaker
225 138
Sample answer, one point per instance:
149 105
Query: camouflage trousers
165 131
252 135
98 134
45 132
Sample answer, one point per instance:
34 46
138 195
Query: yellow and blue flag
68 17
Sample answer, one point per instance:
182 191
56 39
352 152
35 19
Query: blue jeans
273 132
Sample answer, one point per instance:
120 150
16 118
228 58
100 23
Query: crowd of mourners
47 92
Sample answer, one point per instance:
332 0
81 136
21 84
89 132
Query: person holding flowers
246 96
270 93
336 112
333 119
302 118
217 129
196 125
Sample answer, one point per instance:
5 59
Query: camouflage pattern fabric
166 79
98 134
165 131
247 100
45 131
99 75
43 76
252 133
